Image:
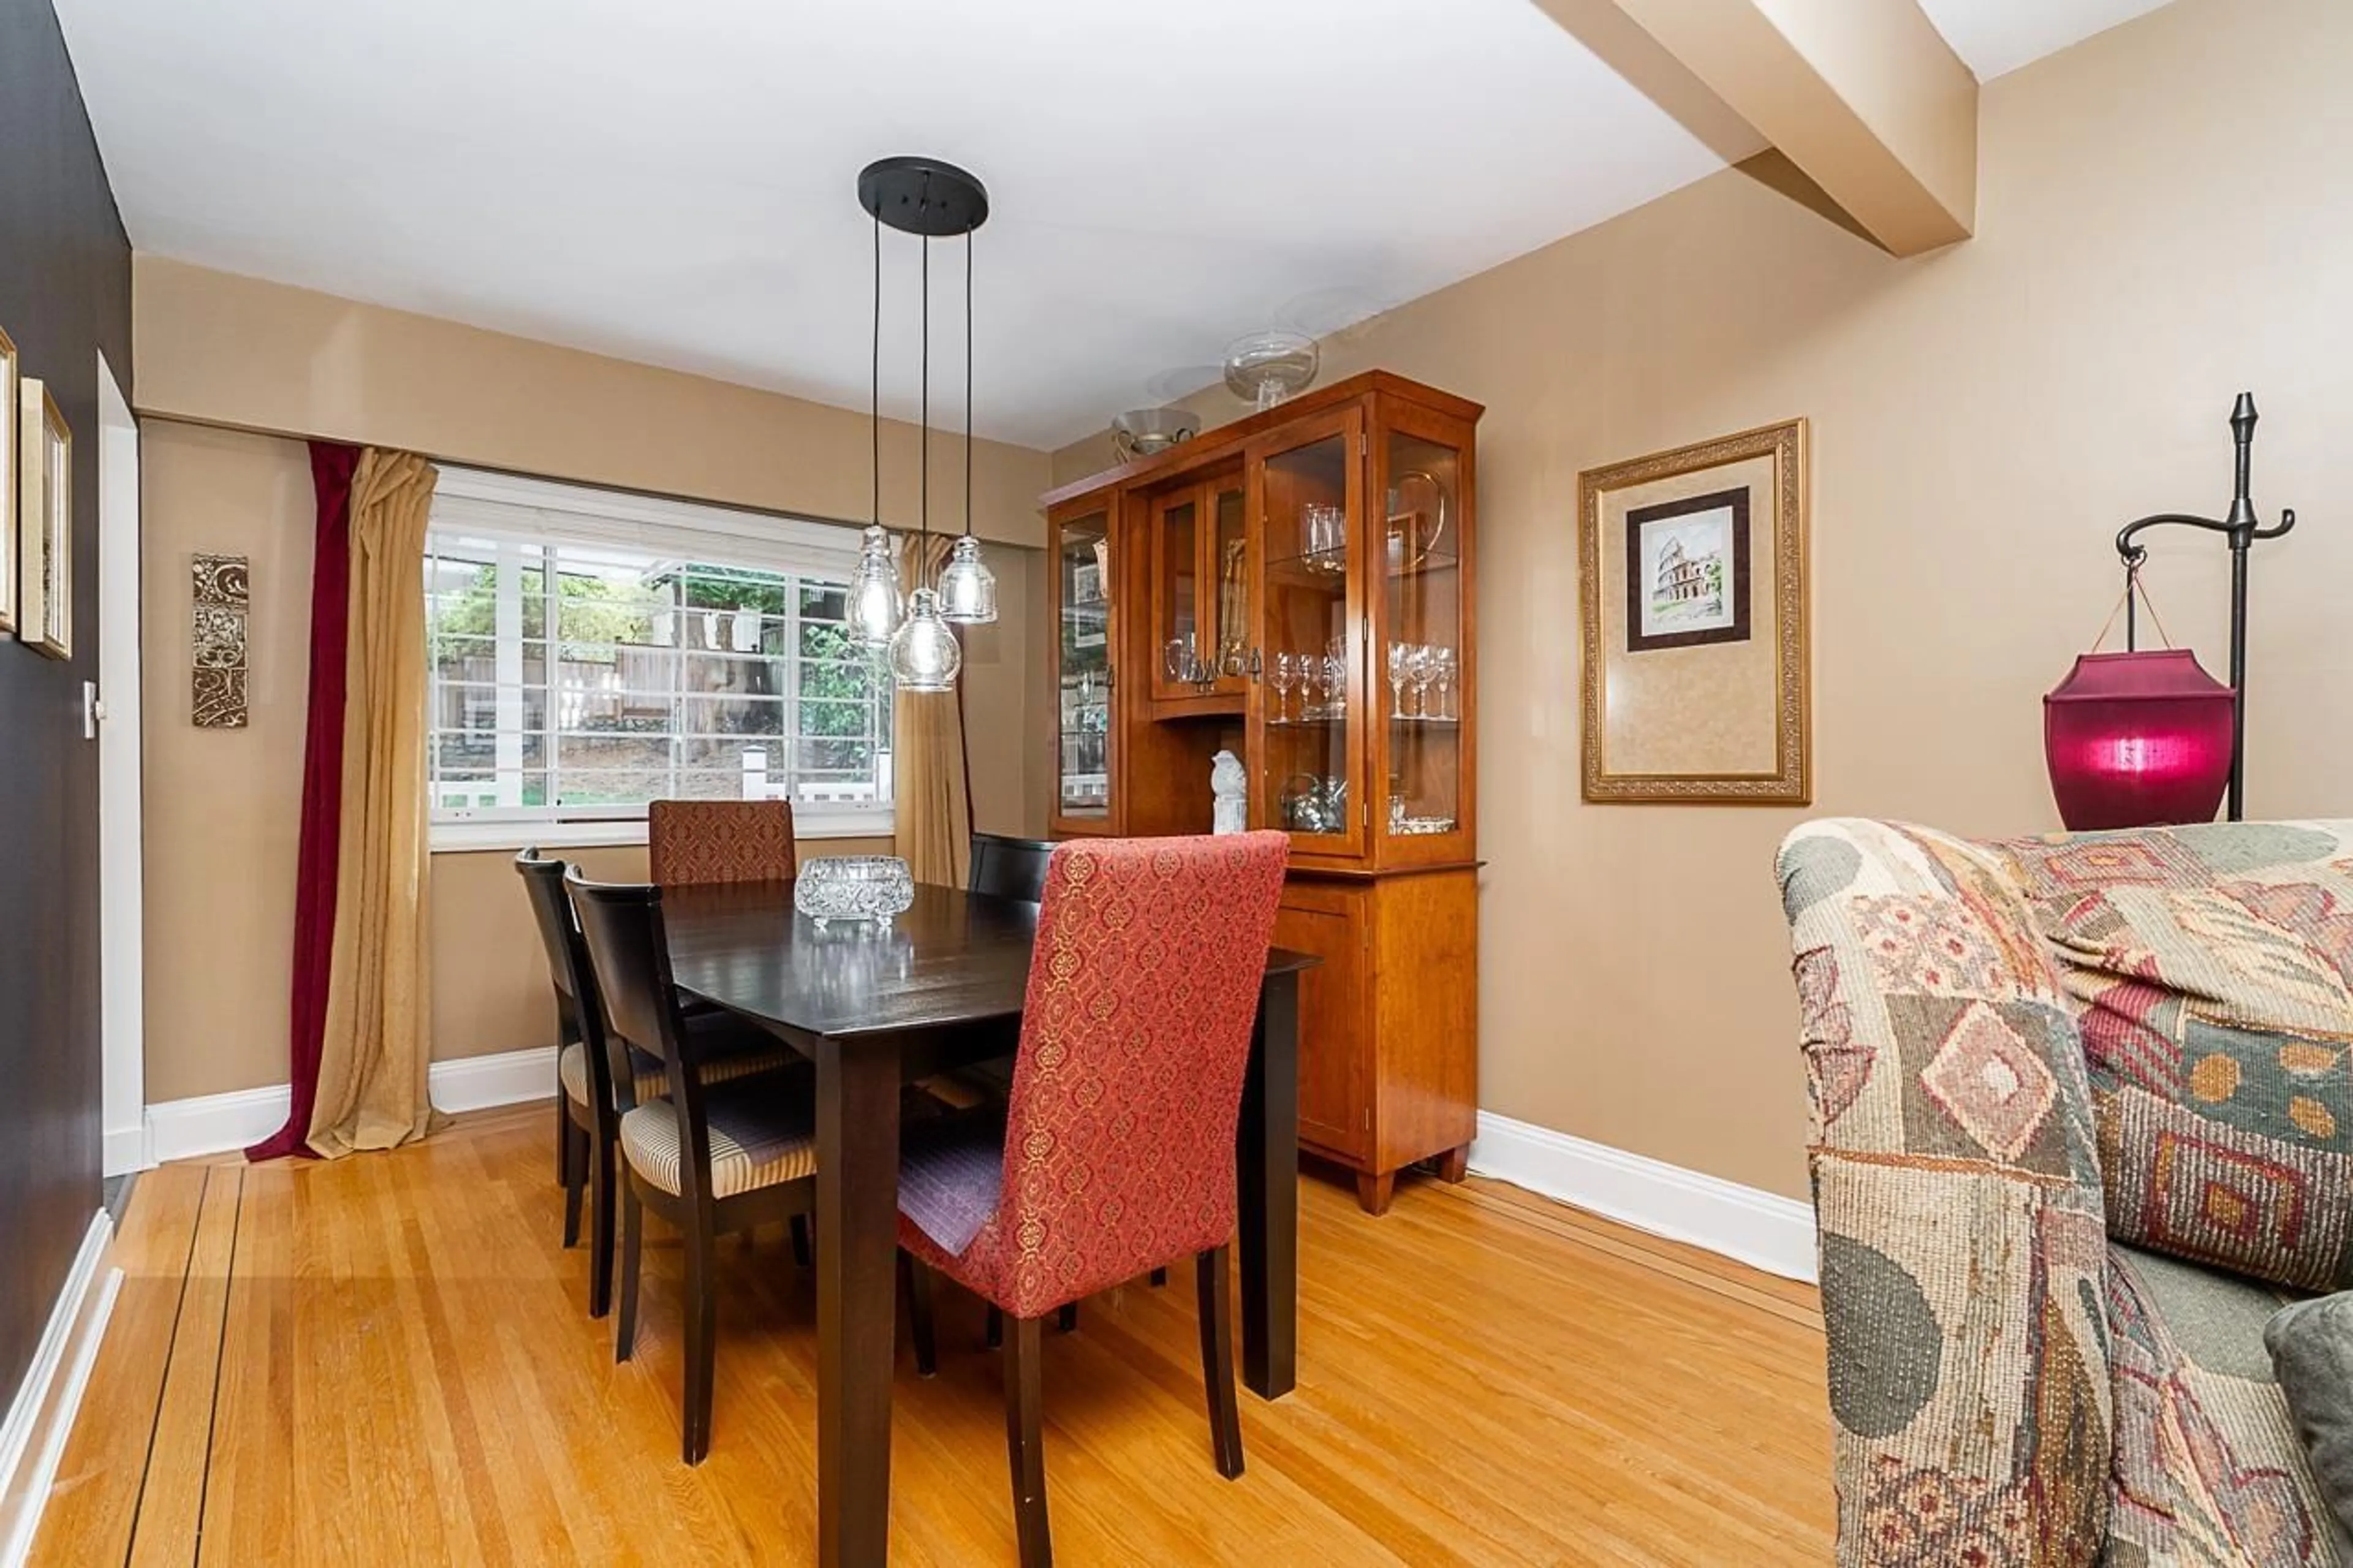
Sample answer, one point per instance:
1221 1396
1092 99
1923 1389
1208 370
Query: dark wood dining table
875 1008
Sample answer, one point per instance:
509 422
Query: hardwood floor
388 1360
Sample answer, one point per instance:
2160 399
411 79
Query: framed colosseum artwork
1692 591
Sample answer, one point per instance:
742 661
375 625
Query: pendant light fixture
875 602
931 200
874 596
967 587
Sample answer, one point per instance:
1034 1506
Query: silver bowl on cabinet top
1143 432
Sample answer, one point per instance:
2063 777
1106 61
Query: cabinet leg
1375 1191
1454 1165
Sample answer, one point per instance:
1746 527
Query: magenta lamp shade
2138 739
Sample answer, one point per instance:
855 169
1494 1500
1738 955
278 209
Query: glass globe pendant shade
967 587
874 590
923 652
2138 739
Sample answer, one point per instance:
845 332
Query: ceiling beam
1864 97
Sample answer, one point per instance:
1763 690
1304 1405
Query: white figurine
1230 785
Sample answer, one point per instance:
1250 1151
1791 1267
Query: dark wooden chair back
588 1108
628 952
1010 867
578 1014
542 882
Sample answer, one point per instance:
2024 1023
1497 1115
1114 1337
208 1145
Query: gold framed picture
10 430
44 523
1694 596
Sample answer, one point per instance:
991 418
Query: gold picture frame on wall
44 523
10 440
1692 591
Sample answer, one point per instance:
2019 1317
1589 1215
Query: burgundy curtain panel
332 466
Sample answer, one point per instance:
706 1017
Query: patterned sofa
2082 1119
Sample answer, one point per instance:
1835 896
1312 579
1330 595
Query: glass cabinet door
1082 569
1420 661
1307 720
1228 566
1180 657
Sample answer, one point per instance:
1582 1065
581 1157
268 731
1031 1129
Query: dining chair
1009 868
1114 1153
1006 867
695 841
711 1156
587 1120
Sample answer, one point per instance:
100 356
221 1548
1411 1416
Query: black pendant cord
874 383
2242 529
967 383
923 424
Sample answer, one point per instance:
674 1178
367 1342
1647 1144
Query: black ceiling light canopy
928 196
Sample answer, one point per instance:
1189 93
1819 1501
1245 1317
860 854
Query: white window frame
512 509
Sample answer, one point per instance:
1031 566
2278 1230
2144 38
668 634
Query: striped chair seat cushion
969 1088
572 1070
763 1134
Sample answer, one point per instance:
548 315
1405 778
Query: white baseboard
215 1124
1761 1229
478 1083
33 1431
124 1148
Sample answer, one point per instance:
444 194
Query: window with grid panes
592 652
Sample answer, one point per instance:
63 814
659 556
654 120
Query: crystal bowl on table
853 887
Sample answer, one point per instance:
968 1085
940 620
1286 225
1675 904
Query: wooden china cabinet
1296 588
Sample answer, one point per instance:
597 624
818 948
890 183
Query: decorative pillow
2212 969
1957 1185
2312 1354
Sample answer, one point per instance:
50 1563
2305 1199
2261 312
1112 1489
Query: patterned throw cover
2210 967
2008 1387
1118 1152
695 841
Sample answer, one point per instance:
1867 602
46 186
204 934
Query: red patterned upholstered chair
1114 1154
691 841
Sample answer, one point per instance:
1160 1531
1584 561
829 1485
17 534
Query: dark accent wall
65 297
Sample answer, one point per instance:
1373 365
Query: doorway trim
121 909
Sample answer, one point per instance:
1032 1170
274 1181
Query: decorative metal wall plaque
217 642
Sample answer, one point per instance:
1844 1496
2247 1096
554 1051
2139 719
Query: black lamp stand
2242 530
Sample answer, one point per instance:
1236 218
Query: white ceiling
1997 36
674 182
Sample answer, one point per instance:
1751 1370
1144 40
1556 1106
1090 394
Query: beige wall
2163 219
219 348
224 806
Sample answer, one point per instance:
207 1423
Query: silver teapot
1313 803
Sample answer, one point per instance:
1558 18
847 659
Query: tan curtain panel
932 802
372 1065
